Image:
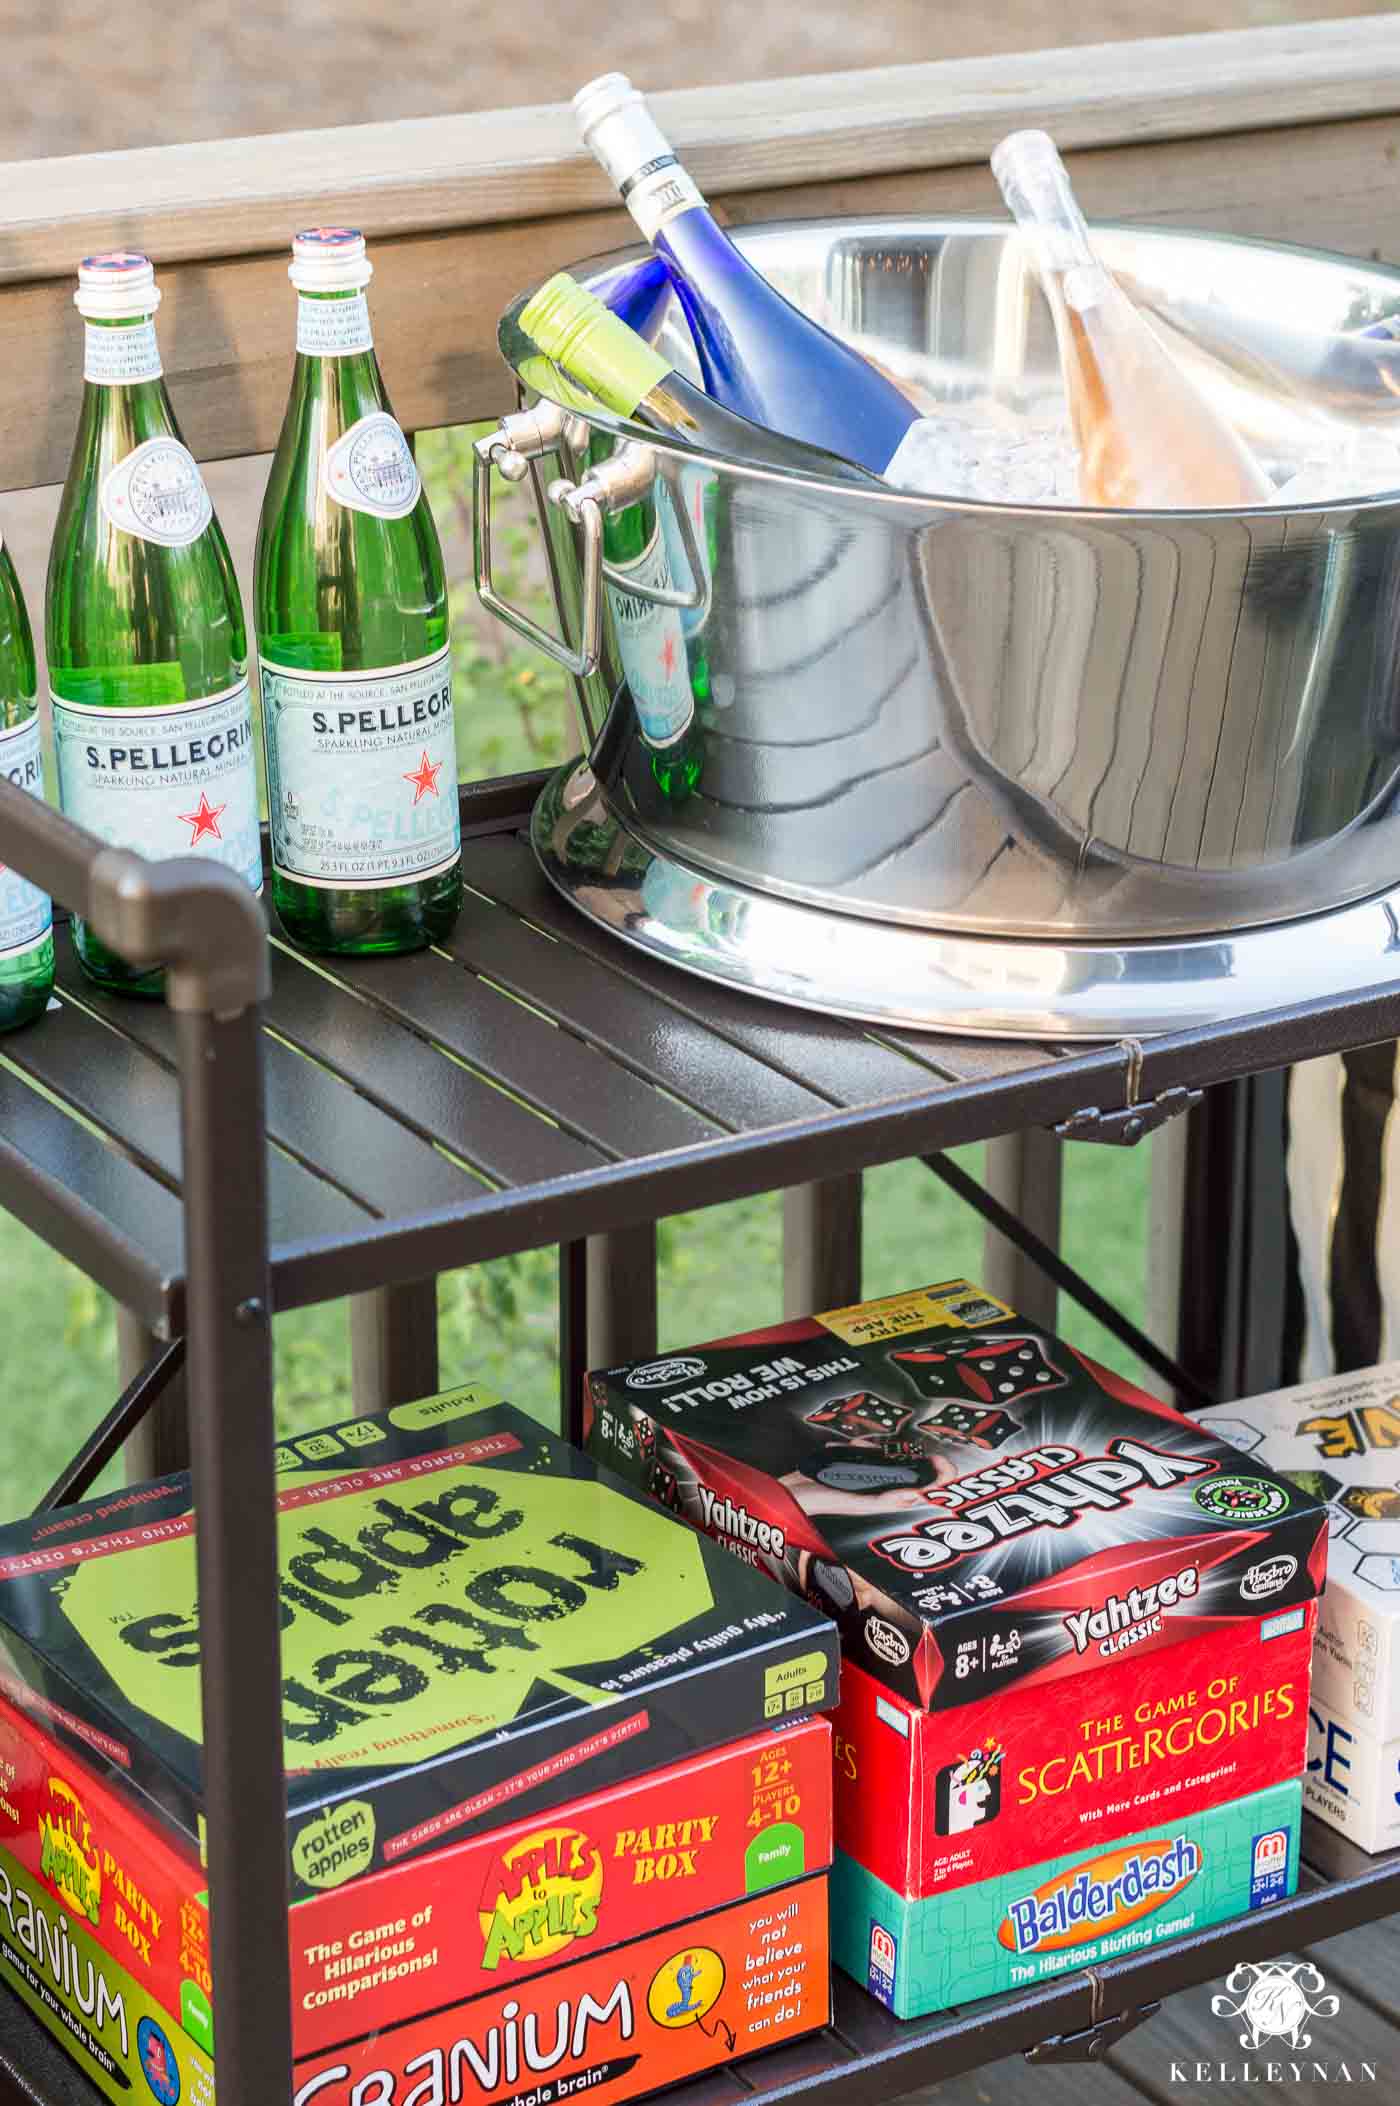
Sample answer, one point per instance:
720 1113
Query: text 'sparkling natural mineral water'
26 918
353 642
147 650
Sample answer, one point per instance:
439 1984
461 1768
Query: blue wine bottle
758 354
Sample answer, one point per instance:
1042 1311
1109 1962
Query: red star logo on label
668 656
204 821
425 779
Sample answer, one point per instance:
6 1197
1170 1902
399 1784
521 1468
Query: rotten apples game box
477 1623
979 1507
104 1919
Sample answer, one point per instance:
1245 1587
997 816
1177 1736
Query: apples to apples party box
477 1623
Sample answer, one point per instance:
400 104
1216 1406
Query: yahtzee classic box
977 1505
104 1920
1340 1439
478 1623
1067 1912
930 1800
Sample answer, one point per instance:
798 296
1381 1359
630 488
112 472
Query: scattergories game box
104 1920
980 1508
477 1623
1340 1438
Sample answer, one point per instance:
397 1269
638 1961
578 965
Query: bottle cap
116 286
329 259
574 329
1035 183
615 124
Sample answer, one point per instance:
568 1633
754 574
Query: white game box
1341 1439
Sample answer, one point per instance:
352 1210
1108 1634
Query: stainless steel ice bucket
1031 722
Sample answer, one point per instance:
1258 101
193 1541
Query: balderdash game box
477 1623
1340 1439
976 1505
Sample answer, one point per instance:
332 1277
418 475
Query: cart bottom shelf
867 2058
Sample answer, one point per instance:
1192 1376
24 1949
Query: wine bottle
153 729
640 296
759 355
1146 437
1353 373
350 605
26 917
563 340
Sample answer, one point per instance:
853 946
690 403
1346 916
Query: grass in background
720 1269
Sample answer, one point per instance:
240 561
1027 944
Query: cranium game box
478 1623
978 1506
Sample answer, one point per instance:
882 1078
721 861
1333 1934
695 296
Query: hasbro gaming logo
665 1374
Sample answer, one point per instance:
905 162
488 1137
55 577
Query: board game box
1067 1912
734 1823
1340 1439
976 1504
929 1800
477 1623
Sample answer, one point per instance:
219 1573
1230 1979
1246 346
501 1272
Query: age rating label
362 773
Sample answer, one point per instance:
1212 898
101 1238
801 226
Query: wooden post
161 1442
393 1345
821 1245
622 1295
1023 1172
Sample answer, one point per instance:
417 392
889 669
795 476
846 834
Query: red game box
476 1915
613 2025
929 1801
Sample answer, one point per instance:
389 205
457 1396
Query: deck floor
1160 2062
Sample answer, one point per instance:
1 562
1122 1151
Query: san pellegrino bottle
570 337
353 642
759 355
26 918
153 731
1147 438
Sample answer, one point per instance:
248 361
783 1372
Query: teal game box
1009 1932
478 1623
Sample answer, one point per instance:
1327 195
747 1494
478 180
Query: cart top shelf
534 1082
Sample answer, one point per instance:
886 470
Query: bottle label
362 773
371 468
697 488
333 328
158 494
119 354
659 193
166 781
25 913
651 645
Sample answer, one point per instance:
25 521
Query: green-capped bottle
353 642
26 918
651 640
147 649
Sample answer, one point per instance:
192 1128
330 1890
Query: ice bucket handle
495 449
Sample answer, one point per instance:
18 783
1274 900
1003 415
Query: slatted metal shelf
867 2058
532 1082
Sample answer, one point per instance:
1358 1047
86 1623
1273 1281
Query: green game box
478 1623
1073 1911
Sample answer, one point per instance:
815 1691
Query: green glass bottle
353 642
147 650
26 918
651 638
